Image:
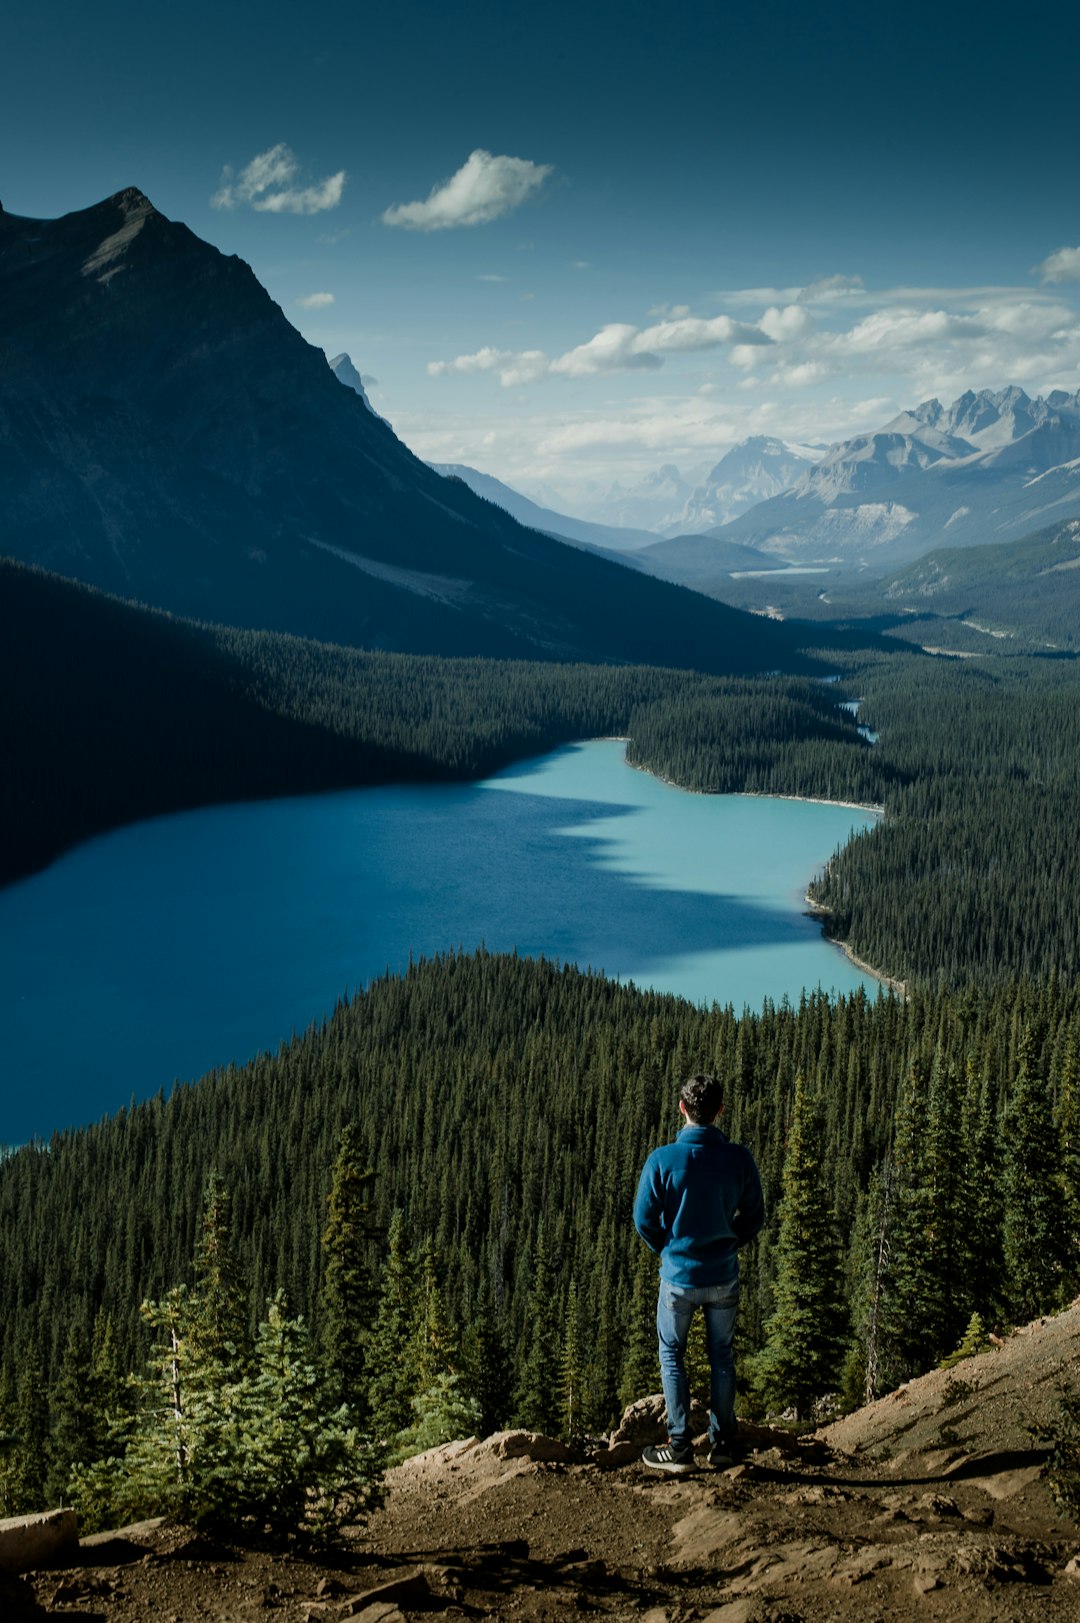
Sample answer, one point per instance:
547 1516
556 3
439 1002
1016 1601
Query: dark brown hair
702 1096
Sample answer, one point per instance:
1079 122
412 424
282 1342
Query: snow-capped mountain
991 467
750 472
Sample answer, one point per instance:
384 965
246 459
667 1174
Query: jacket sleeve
649 1206
750 1217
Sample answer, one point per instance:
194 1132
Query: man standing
698 1200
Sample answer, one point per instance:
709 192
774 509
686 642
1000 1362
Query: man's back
698 1200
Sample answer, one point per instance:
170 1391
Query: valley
349 969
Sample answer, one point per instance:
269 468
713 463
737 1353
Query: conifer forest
412 1222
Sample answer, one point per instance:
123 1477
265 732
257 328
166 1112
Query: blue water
175 945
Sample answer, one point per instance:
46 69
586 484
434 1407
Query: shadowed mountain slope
167 435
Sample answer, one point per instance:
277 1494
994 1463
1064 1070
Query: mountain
345 372
167 435
750 472
697 560
1028 589
993 466
668 502
610 537
652 503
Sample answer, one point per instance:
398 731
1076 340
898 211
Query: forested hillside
504 1108
975 871
115 712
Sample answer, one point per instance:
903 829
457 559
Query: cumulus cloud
1062 266
484 188
268 184
315 301
617 347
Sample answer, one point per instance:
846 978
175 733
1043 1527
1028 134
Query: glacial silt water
190 941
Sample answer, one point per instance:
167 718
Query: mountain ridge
167 435
966 473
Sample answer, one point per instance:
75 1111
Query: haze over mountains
993 466
167 435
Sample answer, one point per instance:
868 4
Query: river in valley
172 946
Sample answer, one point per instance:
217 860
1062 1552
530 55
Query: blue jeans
675 1308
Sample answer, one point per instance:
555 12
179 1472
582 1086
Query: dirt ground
929 1503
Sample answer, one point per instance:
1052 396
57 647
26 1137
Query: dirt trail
929 1503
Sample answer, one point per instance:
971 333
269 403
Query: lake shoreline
816 909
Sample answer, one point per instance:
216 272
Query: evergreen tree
570 1370
805 1334
983 1201
435 1350
349 1298
486 1369
391 1348
1067 1118
1034 1241
30 1456
907 1294
444 1413
77 1425
536 1398
640 1376
262 1454
219 1305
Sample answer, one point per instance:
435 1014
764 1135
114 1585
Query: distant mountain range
668 502
749 473
609 537
993 466
167 435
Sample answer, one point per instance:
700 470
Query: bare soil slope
927 1503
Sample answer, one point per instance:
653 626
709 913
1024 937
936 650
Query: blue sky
687 223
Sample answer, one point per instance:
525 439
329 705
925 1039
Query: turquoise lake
172 946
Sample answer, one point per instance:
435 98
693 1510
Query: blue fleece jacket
698 1200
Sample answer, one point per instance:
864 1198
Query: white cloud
617 347
1062 266
315 301
484 188
267 184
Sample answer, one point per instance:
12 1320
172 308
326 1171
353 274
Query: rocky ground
929 1503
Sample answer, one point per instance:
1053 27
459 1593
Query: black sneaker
723 1454
666 1458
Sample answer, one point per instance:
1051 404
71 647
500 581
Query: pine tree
1067 1117
1034 1241
536 1398
219 1304
640 1376
435 1349
391 1348
349 1297
908 1296
76 1422
805 1334
264 1453
443 1413
486 1371
570 1370
983 1201
30 1456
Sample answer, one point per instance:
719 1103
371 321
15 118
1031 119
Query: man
698 1200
